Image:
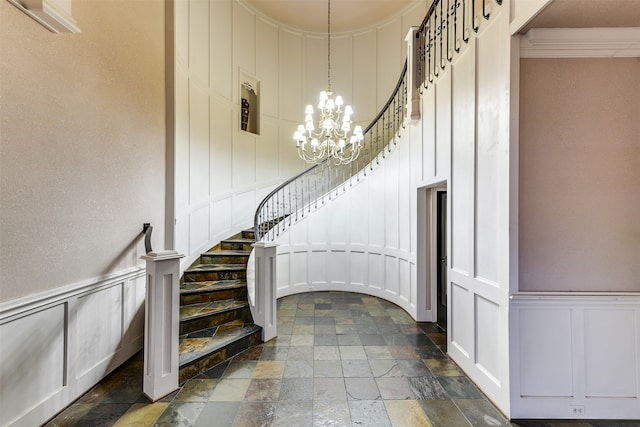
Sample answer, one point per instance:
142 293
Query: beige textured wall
82 143
580 175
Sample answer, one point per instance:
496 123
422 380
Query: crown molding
621 42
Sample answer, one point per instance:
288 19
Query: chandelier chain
329 45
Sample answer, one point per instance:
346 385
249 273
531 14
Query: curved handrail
318 181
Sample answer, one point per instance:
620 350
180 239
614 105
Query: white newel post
162 317
266 303
413 95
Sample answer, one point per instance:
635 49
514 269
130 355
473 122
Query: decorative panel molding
609 355
54 15
461 317
580 43
576 355
59 344
546 353
487 338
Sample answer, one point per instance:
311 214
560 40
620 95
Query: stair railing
296 197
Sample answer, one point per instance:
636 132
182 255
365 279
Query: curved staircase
215 320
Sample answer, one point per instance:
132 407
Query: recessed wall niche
249 104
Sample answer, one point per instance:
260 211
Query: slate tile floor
340 359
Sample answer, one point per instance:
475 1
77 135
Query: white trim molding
575 355
58 344
621 42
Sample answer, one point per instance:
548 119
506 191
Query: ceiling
346 15
352 15
587 14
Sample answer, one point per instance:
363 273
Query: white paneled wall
221 172
55 347
361 249
575 355
461 144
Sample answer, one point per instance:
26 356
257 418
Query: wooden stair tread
197 345
197 311
203 268
227 252
210 286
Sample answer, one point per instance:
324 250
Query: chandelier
330 137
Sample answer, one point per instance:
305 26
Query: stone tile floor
340 359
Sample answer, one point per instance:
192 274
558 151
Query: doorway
441 258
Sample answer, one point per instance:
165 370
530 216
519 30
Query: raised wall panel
376 270
198 143
221 147
221 43
545 352
181 19
315 71
199 41
342 68
429 134
244 39
490 144
462 319
487 337
243 205
611 352
338 232
376 207
267 150
359 216
389 58
181 228
443 125
199 227
100 340
283 272
337 267
299 233
222 214
32 360
359 268
290 164
291 60
181 147
405 191
244 159
364 99
267 67
391 275
299 265
135 293
317 267
391 199
405 279
462 162
318 235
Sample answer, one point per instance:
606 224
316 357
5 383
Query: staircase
215 319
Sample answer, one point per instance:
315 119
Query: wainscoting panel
461 312
99 339
33 363
548 356
56 346
487 338
610 355
575 355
